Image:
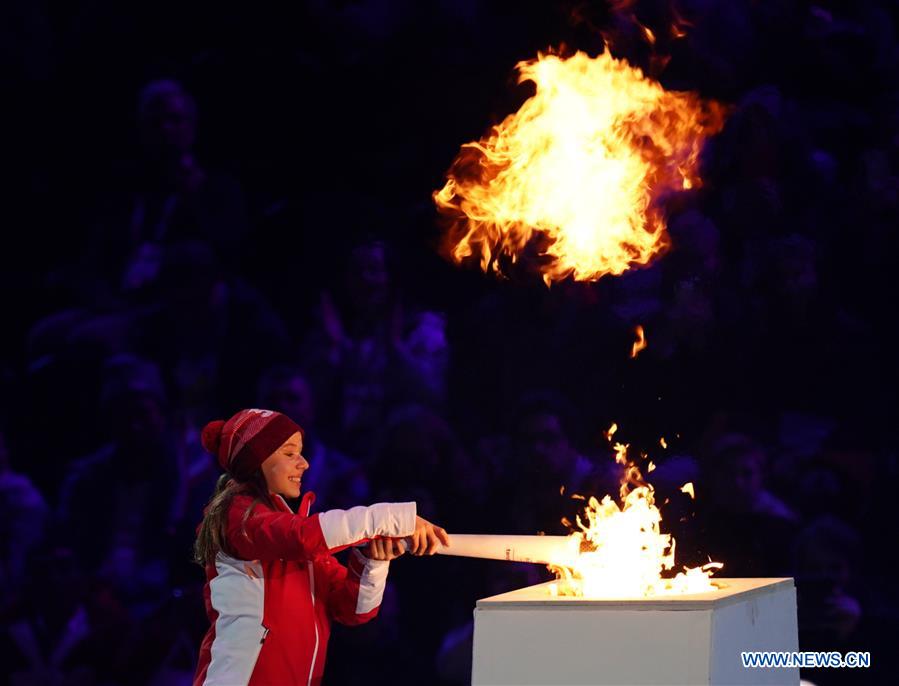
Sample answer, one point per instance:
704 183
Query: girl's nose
303 463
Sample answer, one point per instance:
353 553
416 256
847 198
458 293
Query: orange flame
640 343
679 24
623 552
581 167
608 433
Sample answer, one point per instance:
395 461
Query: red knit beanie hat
243 443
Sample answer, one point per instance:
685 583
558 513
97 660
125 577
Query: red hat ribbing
243 443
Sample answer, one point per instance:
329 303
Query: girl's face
283 469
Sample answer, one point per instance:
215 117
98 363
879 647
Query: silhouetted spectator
24 516
121 505
337 480
371 353
170 197
67 629
212 334
538 467
64 353
418 452
836 611
741 523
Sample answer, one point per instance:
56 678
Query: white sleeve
345 527
372 580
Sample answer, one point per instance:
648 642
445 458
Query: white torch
555 550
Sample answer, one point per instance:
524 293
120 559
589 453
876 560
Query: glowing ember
611 431
640 343
582 167
623 551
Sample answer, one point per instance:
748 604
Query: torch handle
560 550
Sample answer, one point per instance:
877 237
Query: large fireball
582 167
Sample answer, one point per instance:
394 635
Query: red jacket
271 606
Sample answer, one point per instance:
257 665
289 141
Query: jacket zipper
264 634
314 621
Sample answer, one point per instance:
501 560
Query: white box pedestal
528 637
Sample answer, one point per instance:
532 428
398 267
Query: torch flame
582 167
623 551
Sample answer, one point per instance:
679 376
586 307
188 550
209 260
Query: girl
272 583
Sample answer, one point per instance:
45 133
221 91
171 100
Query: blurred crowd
221 211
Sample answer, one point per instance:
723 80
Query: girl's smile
284 468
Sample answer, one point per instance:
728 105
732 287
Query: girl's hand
427 537
384 549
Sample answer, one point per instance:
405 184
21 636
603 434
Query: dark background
210 208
